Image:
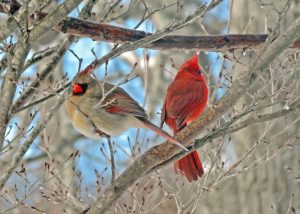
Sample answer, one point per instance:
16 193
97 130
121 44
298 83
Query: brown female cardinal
101 109
185 100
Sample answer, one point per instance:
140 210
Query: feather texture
186 99
96 107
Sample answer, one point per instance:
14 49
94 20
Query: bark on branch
163 152
119 35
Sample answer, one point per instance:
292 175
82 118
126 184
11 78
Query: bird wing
123 104
184 98
120 102
117 101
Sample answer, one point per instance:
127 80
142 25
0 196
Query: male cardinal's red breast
185 100
101 109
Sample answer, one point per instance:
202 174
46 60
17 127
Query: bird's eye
79 89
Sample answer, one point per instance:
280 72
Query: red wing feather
185 99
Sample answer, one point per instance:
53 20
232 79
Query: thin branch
114 34
112 160
38 56
8 89
290 207
41 100
110 9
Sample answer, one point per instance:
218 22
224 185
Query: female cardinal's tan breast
79 114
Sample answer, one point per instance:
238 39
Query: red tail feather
190 166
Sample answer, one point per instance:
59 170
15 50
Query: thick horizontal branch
119 35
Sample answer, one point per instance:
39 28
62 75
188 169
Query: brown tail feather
161 132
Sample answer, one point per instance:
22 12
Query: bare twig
41 100
290 207
38 56
112 160
25 146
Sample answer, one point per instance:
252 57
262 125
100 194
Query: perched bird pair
101 109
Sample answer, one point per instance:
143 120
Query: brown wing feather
123 104
118 101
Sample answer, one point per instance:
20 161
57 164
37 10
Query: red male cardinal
185 100
101 109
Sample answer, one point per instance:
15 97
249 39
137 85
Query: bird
185 100
100 109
